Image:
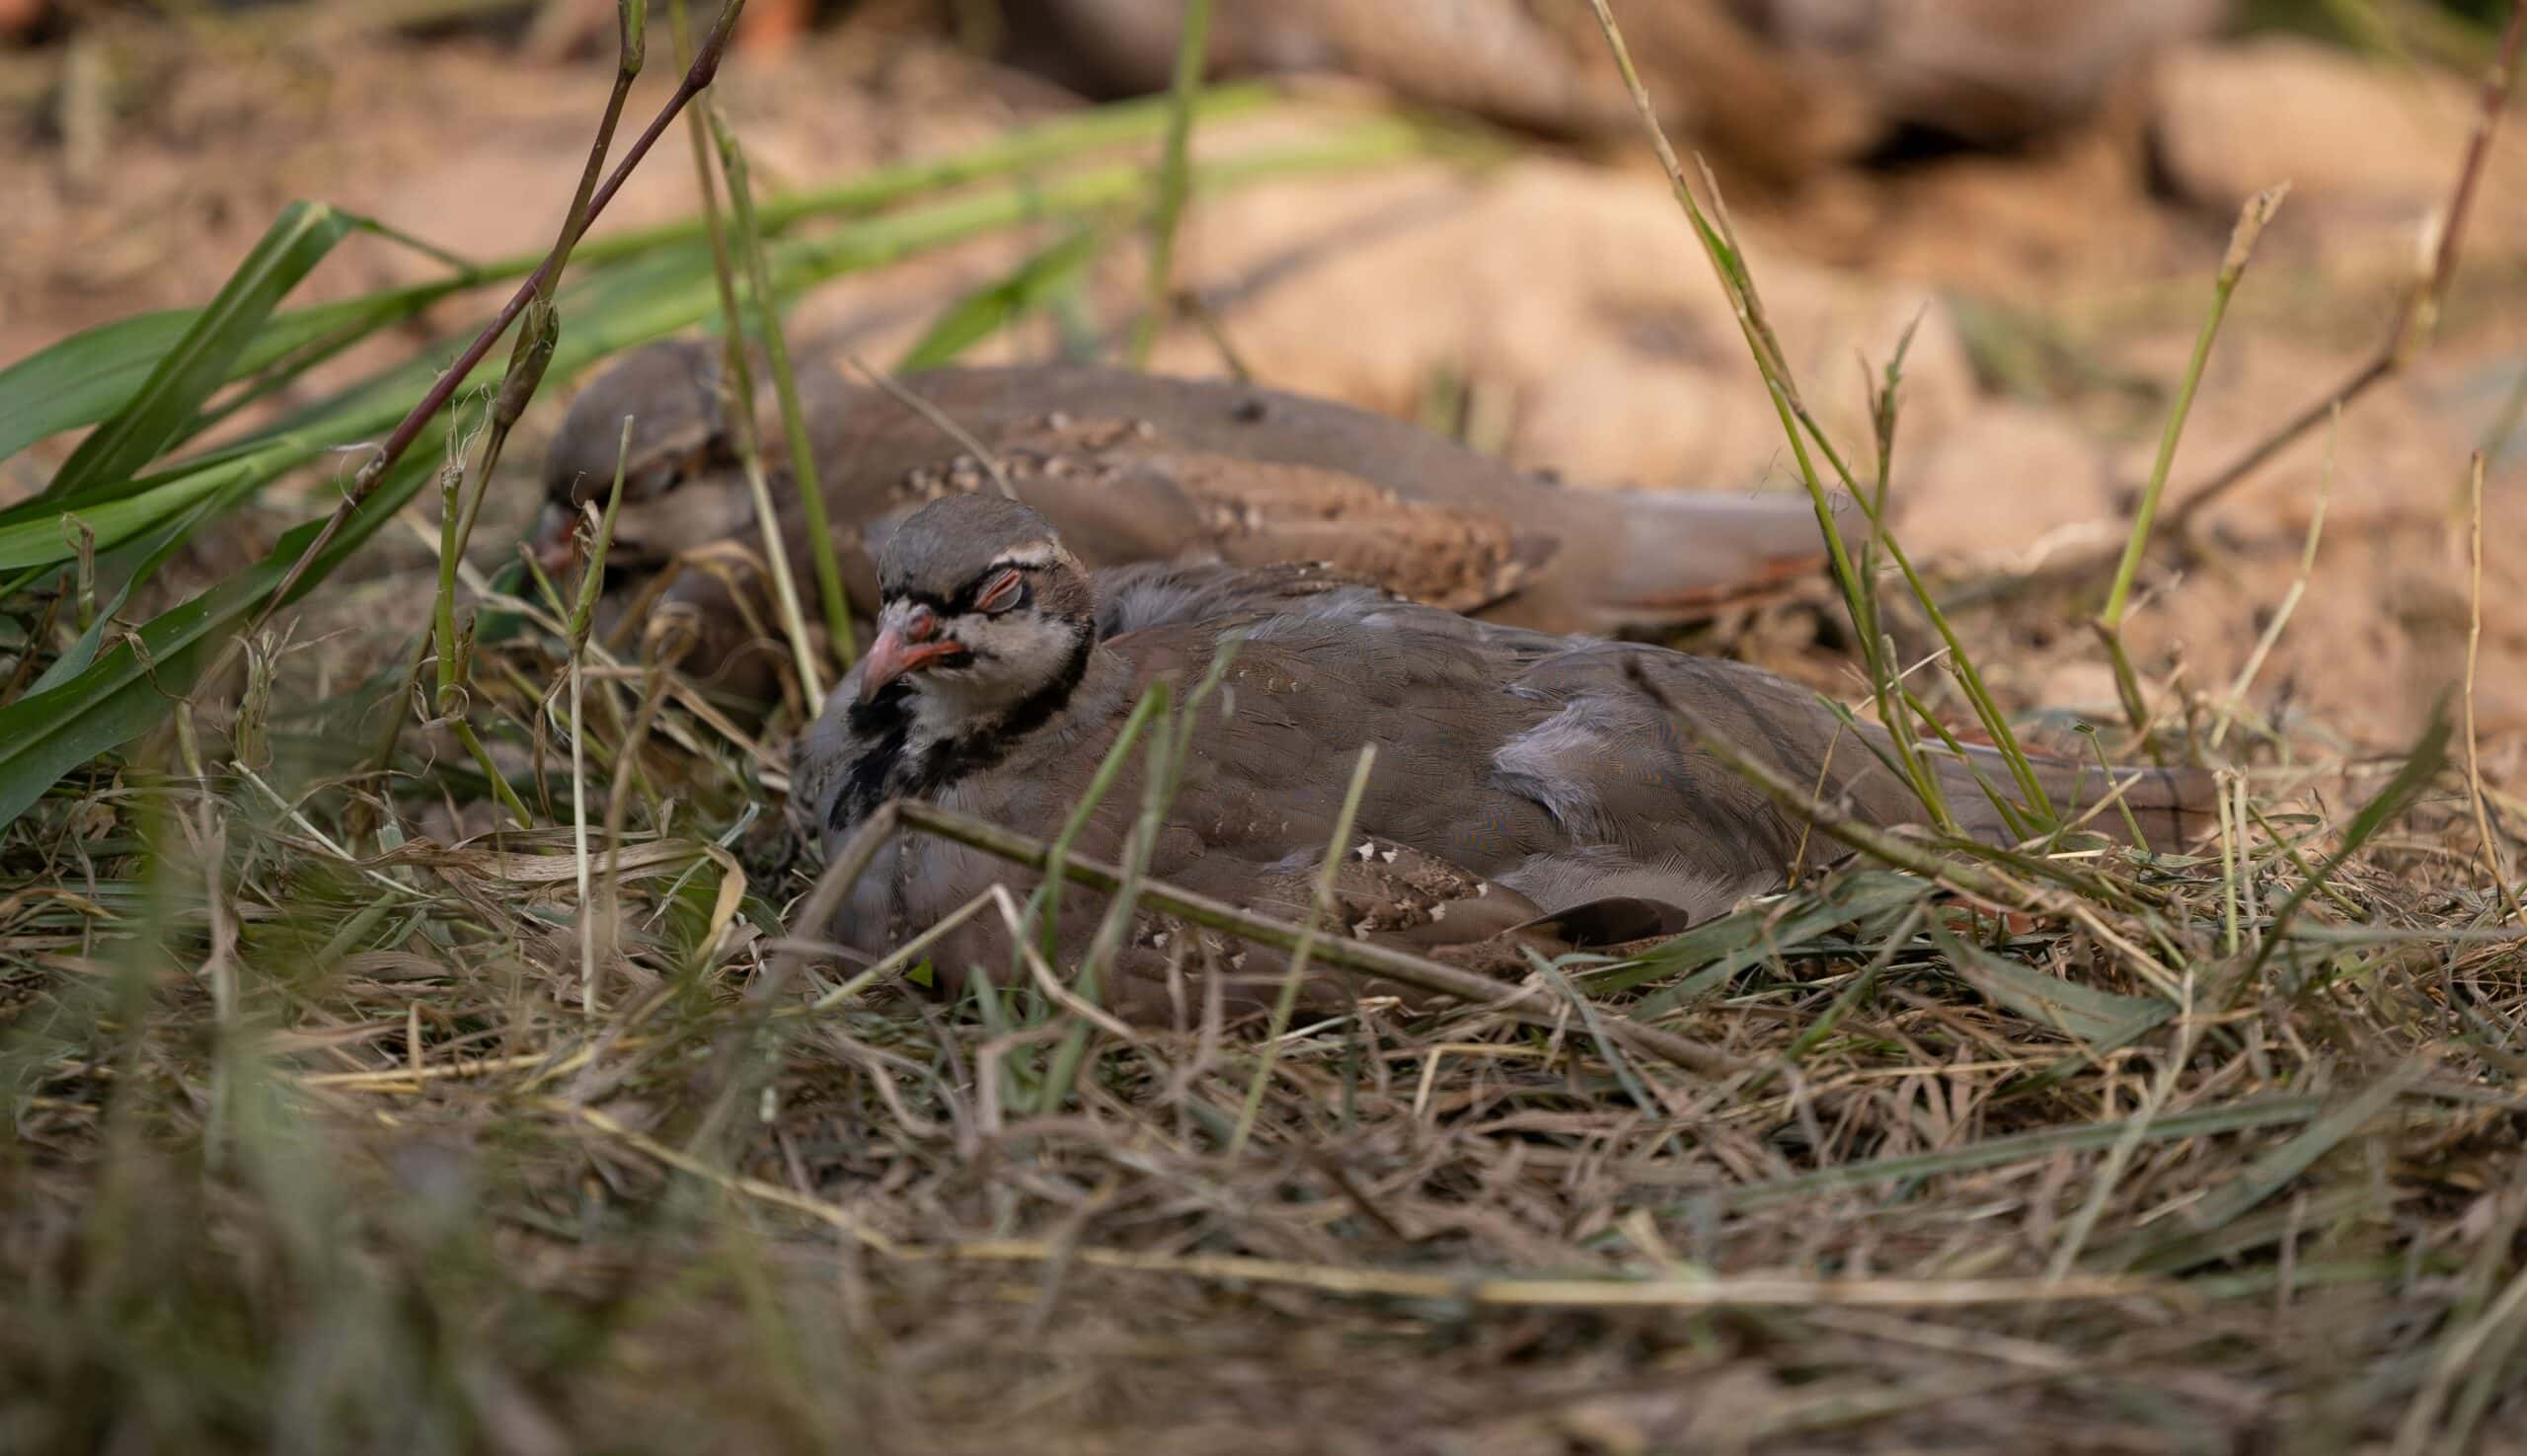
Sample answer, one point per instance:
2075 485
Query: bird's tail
2172 806
1662 559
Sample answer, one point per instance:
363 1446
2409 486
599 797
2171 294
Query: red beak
904 649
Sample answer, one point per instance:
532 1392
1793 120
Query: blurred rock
2360 143
1989 72
1783 86
2006 487
1577 292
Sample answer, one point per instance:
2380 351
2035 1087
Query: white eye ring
1002 593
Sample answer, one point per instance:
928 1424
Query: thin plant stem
2251 219
1192 49
1727 261
528 359
364 484
455 647
741 414
582 618
2474 649
1319 907
784 382
2108 623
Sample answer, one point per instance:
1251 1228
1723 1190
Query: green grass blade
84 377
1719 949
33 534
1193 53
996 305
96 372
2099 1019
160 411
122 694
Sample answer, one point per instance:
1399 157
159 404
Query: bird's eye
1001 593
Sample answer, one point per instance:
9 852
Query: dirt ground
2057 295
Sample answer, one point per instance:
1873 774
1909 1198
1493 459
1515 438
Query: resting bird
1518 774
1142 468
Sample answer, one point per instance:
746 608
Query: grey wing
1154 595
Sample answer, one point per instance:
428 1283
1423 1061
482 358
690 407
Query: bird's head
982 608
679 488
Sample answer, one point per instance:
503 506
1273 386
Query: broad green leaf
120 696
995 306
2101 1020
124 569
158 413
84 377
31 534
34 533
93 373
